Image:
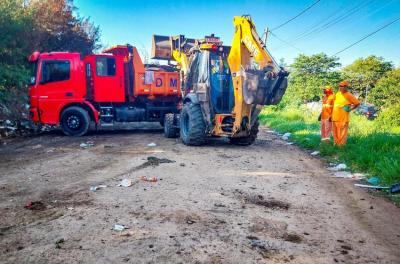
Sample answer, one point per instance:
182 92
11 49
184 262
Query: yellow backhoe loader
224 87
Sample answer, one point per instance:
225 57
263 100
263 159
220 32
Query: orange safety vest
341 100
327 106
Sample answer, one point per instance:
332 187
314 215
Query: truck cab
114 86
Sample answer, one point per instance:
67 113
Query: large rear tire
75 121
192 125
170 129
250 139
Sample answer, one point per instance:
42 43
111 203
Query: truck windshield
33 66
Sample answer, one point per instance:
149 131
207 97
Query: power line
340 18
284 41
370 34
299 14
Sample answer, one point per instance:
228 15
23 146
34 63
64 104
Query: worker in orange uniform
326 114
345 102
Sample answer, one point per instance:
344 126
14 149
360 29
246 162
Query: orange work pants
340 132
326 129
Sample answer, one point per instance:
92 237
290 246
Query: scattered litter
370 186
395 188
59 242
95 188
358 176
70 208
338 167
289 143
35 206
343 174
315 153
37 146
286 136
119 227
86 145
152 144
151 179
126 183
373 180
271 131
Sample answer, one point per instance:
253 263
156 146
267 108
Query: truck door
55 85
109 80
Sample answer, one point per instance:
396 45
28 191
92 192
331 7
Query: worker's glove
346 108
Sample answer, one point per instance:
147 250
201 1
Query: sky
329 26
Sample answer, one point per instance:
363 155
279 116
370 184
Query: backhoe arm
257 78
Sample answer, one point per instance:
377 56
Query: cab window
55 71
105 66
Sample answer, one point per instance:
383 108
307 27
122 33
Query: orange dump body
146 82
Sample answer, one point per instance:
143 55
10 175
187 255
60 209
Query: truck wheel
170 129
75 121
250 139
192 125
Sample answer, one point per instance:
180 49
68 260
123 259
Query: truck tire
192 125
170 129
250 139
75 121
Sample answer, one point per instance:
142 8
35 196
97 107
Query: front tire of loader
250 139
192 125
75 121
170 129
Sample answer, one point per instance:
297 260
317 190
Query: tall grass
370 148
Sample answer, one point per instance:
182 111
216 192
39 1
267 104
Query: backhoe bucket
264 87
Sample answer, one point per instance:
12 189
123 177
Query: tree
363 74
387 89
58 29
310 73
43 25
15 24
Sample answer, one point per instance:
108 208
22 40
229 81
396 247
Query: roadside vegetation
36 25
373 146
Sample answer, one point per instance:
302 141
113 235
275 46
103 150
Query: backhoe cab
224 87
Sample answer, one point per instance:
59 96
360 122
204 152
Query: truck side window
55 71
105 66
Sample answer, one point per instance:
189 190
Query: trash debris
152 144
289 143
315 153
370 186
343 174
373 180
151 179
395 188
338 167
59 242
35 206
86 145
95 188
286 136
126 183
119 227
37 146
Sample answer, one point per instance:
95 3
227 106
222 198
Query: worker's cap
343 84
328 88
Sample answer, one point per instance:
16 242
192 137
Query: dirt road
267 203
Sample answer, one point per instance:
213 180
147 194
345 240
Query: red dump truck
114 86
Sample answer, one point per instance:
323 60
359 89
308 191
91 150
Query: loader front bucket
162 46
